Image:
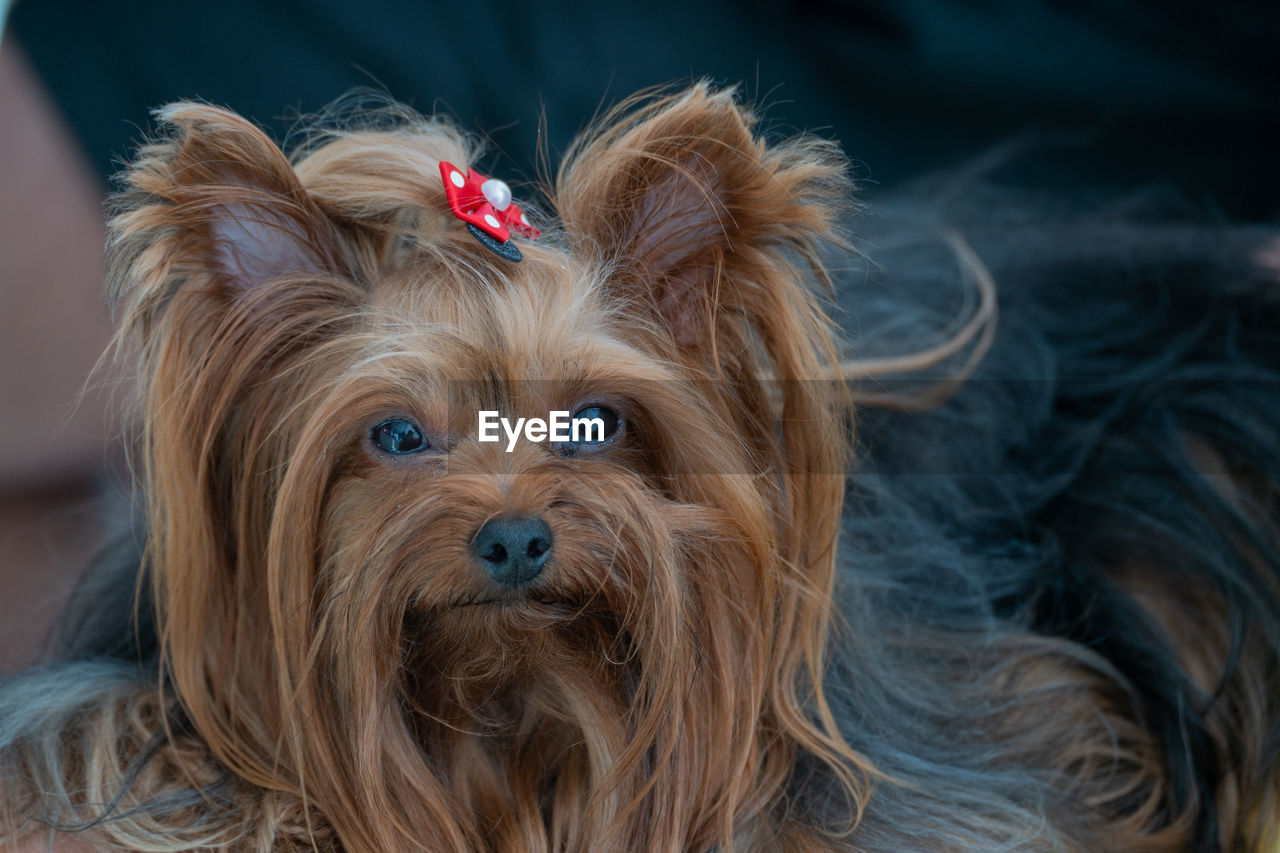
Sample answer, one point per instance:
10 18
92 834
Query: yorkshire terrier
632 623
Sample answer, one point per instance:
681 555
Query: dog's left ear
697 215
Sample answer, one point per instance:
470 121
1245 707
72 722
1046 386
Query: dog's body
349 656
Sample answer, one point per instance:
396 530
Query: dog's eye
398 436
593 425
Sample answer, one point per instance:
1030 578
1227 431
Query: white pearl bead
496 193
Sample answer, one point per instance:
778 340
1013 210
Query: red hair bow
485 205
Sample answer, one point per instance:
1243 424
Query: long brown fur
315 624
333 662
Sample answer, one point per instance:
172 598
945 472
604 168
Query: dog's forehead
542 312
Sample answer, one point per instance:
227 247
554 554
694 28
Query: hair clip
485 205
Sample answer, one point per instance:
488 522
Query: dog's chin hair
586 692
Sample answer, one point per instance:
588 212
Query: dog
362 626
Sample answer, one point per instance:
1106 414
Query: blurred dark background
1181 92
1183 96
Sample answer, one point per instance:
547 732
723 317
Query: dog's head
447 641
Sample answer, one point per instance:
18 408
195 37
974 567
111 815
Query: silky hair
963 639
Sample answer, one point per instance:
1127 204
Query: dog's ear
693 212
214 201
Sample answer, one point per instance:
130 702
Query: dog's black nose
513 550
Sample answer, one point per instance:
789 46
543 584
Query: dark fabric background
1183 94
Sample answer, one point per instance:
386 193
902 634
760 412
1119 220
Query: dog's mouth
514 600
537 601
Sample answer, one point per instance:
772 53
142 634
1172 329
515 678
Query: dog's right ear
213 204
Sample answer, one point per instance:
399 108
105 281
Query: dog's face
492 582
615 635
507 555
